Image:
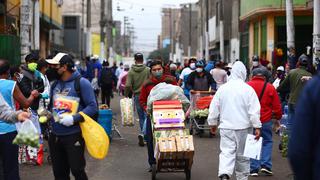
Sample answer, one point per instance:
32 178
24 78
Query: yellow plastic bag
95 137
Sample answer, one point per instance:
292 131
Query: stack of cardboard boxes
172 140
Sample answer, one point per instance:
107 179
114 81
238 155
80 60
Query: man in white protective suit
237 107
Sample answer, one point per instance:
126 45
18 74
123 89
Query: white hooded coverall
237 107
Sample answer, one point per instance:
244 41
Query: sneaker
254 174
266 171
141 141
224 177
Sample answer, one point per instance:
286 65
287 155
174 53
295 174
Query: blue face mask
199 70
157 74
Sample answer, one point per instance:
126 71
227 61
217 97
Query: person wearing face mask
185 74
11 93
173 71
31 80
157 76
201 80
66 143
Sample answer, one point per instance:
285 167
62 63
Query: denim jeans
149 137
291 113
141 113
266 152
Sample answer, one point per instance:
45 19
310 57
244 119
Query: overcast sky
145 16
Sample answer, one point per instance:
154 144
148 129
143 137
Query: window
70 22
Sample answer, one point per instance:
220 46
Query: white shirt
235 103
186 71
276 83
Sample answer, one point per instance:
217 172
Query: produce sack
27 135
127 113
95 137
164 91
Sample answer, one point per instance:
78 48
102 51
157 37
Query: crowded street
127 161
159 90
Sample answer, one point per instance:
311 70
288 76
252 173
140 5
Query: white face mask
199 70
255 63
193 66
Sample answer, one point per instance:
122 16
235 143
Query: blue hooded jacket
210 66
87 103
304 144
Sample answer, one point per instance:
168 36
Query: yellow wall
56 11
95 43
270 36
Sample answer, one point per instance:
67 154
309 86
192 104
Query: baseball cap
303 59
56 59
280 68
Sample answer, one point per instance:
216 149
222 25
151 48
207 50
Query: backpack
77 88
106 77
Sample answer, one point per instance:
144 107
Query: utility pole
207 31
125 19
88 50
221 32
316 31
102 25
25 24
82 31
290 24
171 34
190 27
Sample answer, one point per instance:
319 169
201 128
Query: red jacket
149 84
270 102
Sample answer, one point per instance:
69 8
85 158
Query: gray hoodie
6 112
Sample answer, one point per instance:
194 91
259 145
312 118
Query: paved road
127 161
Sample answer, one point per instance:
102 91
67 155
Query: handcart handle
202 92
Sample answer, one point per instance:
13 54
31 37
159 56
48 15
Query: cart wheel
188 174
154 171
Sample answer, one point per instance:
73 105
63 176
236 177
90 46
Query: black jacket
191 79
30 82
304 145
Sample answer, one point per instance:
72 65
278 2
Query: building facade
263 29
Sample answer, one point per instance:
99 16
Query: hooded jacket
235 103
87 104
136 76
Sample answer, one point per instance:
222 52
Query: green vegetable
201 113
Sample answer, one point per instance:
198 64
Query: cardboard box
166 148
169 133
185 147
168 118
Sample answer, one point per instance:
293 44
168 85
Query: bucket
105 120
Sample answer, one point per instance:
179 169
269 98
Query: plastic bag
127 113
164 91
27 135
95 137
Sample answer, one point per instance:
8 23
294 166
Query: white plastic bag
27 135
127 113
164 91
